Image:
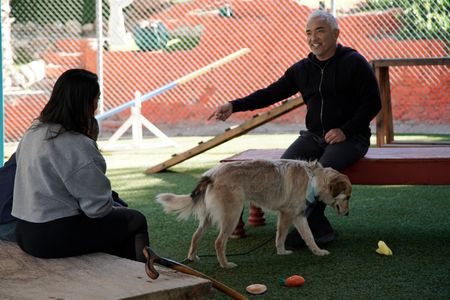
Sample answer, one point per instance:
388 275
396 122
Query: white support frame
136 121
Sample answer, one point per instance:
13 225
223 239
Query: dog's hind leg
284 221
195 240
301 223
221 246
228 222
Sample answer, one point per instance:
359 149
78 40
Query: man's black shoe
295 242
326 238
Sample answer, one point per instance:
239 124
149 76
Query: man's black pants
309 146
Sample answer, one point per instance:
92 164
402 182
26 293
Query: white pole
2 113
333 8
174 83
99 29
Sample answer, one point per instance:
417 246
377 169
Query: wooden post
385 127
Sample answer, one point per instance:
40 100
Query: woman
62 197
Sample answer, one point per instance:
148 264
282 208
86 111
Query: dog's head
334 189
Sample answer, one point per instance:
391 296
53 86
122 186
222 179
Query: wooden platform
94 276
384 166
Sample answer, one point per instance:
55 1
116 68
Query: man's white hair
329 18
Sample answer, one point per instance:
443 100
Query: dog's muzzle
342 208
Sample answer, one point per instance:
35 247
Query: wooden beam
229 134
397 62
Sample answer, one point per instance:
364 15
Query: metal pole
333 8
99 29
2 112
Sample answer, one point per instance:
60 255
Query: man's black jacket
339 93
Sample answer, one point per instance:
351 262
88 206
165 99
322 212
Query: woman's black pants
123 232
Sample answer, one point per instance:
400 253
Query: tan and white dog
281 185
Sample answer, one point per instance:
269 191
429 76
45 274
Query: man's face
322 38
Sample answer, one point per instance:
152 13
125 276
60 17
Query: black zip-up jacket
343 93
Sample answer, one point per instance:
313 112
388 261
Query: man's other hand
335 135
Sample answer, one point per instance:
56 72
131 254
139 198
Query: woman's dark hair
73 102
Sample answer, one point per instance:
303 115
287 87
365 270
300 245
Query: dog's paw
321 252
284 252
193 258
229 265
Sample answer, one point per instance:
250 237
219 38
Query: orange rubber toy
294 280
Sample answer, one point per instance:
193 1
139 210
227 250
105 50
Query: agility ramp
229 134
137 121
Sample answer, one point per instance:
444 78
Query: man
341 96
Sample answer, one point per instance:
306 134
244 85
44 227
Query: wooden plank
384 166
256 121
397 62
94 276
418 143
406 153
430 171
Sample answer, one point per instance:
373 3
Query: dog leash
152 257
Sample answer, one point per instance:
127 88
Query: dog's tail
186 205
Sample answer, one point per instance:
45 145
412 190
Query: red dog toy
294 280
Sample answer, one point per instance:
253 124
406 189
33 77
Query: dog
285 186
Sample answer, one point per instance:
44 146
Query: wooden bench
93 276
384 166
380 166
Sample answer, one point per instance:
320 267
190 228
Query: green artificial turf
413 221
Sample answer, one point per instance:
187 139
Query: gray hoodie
59 177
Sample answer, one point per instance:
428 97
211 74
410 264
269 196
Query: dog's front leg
301 223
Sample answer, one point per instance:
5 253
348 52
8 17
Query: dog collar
311 195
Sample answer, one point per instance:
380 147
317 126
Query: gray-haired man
342 97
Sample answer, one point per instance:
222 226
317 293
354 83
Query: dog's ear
316 164
339 183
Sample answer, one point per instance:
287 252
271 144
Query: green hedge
49 11
421 19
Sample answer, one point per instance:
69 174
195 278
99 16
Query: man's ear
337 32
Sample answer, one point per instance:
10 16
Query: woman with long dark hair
62 197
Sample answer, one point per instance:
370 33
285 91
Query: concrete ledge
93 276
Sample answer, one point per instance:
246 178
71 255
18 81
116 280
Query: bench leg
256 216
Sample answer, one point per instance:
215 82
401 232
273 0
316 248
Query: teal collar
311 196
